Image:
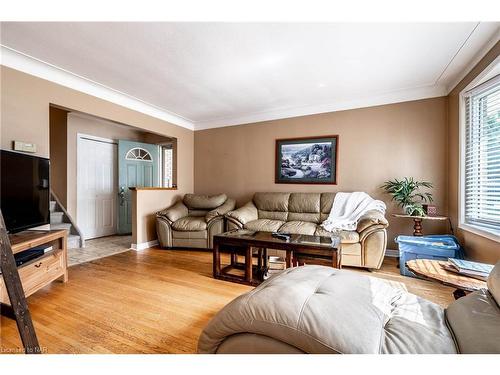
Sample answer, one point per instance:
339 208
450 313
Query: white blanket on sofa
347 208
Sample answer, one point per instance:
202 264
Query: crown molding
425 92
475 60
33 66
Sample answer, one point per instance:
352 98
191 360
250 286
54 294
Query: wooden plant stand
417 222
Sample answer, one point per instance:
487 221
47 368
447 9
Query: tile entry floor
99 248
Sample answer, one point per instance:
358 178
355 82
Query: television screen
24 190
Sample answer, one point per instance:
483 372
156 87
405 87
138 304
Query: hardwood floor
154 301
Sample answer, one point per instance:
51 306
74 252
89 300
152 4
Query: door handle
121 194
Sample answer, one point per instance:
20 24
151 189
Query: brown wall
477 247
375 144
25 102
58 153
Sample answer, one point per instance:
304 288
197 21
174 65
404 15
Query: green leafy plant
406 193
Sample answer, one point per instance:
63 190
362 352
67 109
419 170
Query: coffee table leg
216 261
336 259
288 258
248 265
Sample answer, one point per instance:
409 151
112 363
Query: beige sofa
317 309
302 213
193 221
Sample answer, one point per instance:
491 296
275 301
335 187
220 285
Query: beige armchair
193 221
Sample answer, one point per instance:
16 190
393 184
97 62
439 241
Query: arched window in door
138 153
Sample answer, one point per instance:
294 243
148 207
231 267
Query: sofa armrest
223 209
244 214
164 231
372 217
174 212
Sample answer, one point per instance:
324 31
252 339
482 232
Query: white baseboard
392 253
143 245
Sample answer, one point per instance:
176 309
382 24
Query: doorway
97 186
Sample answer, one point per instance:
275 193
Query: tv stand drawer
37 273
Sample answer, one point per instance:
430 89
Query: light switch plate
24 146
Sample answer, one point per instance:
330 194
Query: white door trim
94 138
79 138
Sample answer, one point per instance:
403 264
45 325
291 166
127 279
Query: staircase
59 219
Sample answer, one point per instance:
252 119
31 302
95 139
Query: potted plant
406 193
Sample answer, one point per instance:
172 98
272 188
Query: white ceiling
202 75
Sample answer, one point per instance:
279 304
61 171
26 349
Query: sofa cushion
273 215
200 234
304 202
198 212
326 202
174 212
204 202
475 323
320 309
304 216
494 283
271 201
264 225
190 223
298 227
346 236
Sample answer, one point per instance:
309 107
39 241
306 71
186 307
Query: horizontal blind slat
482 156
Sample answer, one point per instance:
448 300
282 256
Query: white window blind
482 156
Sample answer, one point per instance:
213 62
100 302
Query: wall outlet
24 146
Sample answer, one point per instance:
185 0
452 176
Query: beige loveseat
317 309
302 213
193 221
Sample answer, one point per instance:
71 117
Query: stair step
52 206
60 226
73 241
56 217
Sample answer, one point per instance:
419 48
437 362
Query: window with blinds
482 156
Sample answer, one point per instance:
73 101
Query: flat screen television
24 190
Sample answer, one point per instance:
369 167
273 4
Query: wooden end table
249 244
434 270
417 221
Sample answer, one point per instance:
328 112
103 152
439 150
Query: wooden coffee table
433 270
249 244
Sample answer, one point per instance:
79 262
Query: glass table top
332 241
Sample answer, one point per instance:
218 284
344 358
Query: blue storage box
439 247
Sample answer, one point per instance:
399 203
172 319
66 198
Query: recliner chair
193 221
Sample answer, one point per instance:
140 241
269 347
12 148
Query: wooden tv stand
41 271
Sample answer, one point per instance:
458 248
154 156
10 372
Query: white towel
347 208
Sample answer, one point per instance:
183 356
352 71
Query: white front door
96 186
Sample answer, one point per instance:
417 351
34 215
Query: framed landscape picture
311 160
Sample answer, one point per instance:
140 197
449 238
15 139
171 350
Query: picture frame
307 160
